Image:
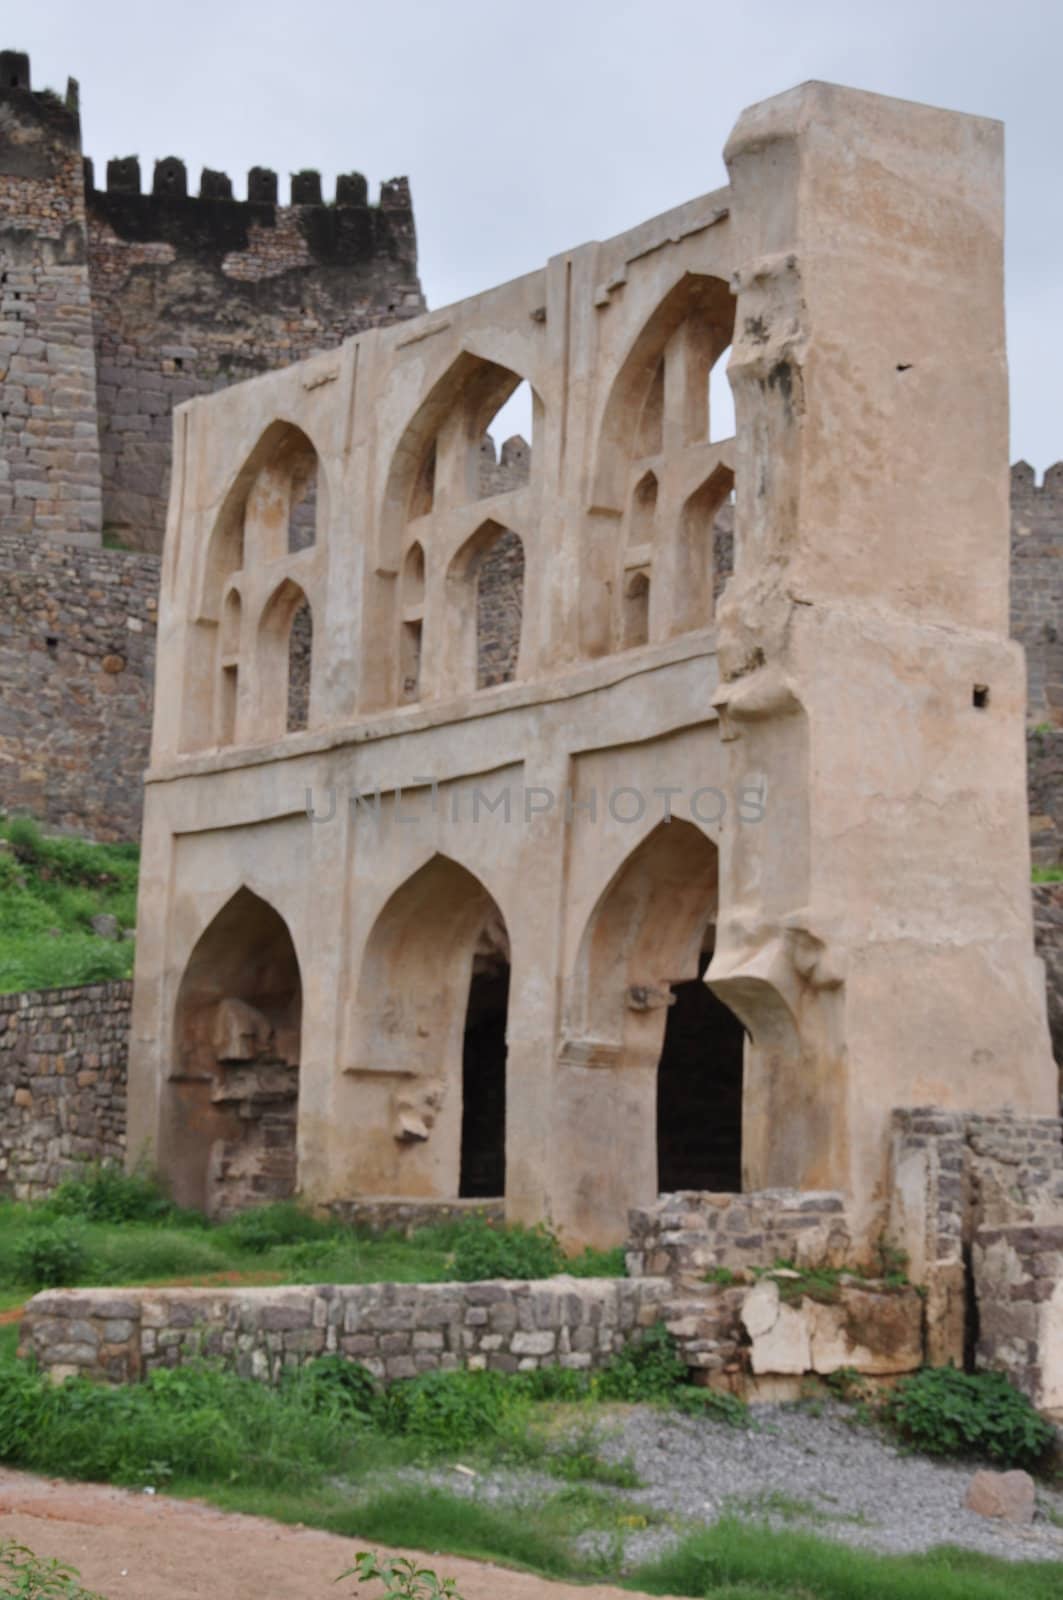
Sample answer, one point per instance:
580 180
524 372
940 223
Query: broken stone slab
1007 1496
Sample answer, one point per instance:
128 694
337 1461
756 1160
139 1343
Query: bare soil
132 1546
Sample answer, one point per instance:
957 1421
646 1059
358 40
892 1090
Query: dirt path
132 1546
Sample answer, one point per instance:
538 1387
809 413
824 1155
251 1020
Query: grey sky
526 129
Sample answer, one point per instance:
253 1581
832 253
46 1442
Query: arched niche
431 1011
228 1137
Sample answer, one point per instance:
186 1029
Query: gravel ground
823 1473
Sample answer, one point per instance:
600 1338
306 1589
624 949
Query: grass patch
1048 874
747 1560
50 889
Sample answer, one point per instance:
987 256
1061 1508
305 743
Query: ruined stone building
701 888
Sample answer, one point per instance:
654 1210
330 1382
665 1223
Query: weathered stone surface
1008 1496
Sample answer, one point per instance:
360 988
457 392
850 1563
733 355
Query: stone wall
952 1175
681 1236
77 662
396 1330
1044 777
1037 585
1018 1280
62 1083
49 448
1048 934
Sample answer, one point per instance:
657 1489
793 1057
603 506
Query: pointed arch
647 401
423 465
435 970
230 1107
638 1001
253 521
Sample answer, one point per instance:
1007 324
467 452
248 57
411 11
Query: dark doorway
699 1093
483 1117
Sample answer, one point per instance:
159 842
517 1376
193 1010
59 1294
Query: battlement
55 117
1024 481
170 181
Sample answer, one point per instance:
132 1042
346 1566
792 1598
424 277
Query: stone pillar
876 934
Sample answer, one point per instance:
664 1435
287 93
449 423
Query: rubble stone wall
1048 935
1018 1280
77 662
62 1083
397 1330
682 1236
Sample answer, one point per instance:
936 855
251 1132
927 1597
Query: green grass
1048 874
50 889
746 1561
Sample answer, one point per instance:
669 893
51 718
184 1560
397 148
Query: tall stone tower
49 444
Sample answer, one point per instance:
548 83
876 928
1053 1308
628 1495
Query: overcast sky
527 129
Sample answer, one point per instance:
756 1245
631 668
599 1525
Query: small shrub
718 1404
267 1226
450 1410
593 1263
26 1577
106 1193
402 1578
944 1412
25 838
515 1252
50 1258
647 1369
332 1383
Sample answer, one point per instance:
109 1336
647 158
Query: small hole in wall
980 696
904 366
179 363
52 642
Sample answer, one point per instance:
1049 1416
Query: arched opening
636 630
643 511
300 656
302 509
432 1003
640 1002
699 1090
229 644
229 1133
485 592
483 1070
499 606
412 623
721 400
284 662
446 458
699 537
